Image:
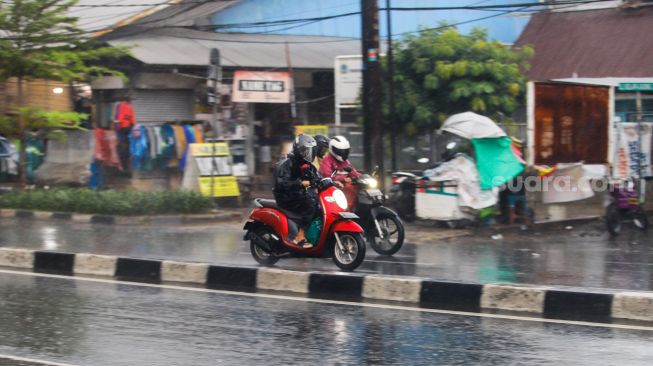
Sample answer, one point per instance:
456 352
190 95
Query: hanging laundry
199 138
169 148
189 134
138 146
125 116
105 147
180 141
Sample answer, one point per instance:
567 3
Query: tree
442 72
40 40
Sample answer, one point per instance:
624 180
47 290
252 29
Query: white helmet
339 148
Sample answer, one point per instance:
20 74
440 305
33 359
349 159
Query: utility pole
291 87
372 93
391 89
214 81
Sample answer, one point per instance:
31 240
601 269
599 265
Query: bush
108 202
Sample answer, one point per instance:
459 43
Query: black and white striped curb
549 302
120 220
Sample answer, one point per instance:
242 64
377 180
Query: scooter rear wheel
259 254
351 254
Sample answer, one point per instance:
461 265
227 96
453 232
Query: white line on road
40 362
336 302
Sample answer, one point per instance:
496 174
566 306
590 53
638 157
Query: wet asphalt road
89 323
584 256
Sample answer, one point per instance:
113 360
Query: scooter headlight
341 200
373 183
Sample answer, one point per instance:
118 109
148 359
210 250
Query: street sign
636 86
312 130
209 170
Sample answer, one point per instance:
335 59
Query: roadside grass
110 202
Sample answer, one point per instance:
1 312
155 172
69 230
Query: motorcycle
384 229
625 205
401 195
341 238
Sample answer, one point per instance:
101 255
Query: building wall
38 93
505 28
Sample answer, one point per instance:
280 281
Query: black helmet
305 148
322 145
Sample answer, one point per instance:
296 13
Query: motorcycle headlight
373 183
340 198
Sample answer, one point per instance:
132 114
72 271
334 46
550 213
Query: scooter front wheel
393 234
348 250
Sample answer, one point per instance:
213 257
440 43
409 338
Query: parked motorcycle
341 237
401 195
384 229
625 205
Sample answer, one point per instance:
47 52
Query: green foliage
442 72
48 124
108 202
41 41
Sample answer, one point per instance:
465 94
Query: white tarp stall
452 191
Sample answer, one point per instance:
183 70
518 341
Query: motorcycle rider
292 177
336 161
322 149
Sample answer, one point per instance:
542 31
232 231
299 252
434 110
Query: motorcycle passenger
336 161
291 181
322 149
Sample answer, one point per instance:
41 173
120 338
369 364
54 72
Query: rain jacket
330 164
288 179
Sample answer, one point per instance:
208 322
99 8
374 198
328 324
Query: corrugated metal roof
597 43
185 14
191 48
606 81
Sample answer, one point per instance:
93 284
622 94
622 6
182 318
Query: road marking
335 302
40 362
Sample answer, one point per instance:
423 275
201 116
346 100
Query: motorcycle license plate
374 192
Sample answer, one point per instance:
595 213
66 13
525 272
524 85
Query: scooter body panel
346 225
275 219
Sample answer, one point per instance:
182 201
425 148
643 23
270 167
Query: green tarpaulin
495 161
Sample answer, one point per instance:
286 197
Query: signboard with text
209 170
312 130
348 80
636 87
628 156
261 87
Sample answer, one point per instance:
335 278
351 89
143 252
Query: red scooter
341 237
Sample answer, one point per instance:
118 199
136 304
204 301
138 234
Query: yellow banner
216 149
221 187
312 130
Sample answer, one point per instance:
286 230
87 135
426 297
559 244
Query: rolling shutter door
163 105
